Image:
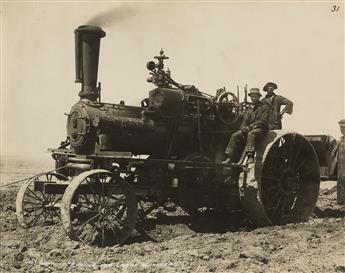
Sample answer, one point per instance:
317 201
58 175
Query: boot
250 159
227 161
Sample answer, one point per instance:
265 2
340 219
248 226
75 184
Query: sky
298 45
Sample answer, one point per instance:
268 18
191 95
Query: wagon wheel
288 181
33 206
99 208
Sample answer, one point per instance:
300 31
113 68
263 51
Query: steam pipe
78 75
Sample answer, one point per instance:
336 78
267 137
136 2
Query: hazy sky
300 46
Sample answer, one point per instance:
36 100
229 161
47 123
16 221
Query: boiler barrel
125 128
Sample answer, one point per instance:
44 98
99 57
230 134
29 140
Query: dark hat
254 91
270 84
342 122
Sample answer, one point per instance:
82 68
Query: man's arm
245 121
288 105
263 121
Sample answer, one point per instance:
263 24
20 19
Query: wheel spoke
55 214
84 196
87 241
33 208
118 220
276 208
118 201
102 226
51 216
274 196
85 206
86 222
29 202
31 198
272 188
300 196
33 222
57 200
43 196
300 165
37 197
286 205
51 197
95 196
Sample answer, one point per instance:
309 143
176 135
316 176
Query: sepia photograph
172 136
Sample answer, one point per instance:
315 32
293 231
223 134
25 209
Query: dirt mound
175 242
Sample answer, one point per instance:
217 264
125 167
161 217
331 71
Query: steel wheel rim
289 179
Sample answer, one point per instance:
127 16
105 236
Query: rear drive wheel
286 182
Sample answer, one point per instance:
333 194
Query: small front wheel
35 207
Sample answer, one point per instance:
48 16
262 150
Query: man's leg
235 146
253 137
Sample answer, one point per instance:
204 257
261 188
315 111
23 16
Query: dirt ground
176 243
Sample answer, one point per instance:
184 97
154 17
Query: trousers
241 141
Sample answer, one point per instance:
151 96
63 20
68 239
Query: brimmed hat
270 84
254 91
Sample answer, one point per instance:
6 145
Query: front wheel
35 207
99 208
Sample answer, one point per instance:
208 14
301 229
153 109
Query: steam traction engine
169 148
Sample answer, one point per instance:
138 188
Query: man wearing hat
253 127
276 102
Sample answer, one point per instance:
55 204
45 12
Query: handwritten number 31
335 8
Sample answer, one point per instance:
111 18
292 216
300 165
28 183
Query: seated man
254 126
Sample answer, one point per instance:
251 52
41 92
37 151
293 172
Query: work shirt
257 116
276 102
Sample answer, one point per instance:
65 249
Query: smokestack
87 41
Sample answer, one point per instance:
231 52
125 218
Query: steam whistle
162 78
159 76
161 58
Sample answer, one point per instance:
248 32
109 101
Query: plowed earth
174 242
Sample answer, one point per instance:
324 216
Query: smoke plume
113 16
